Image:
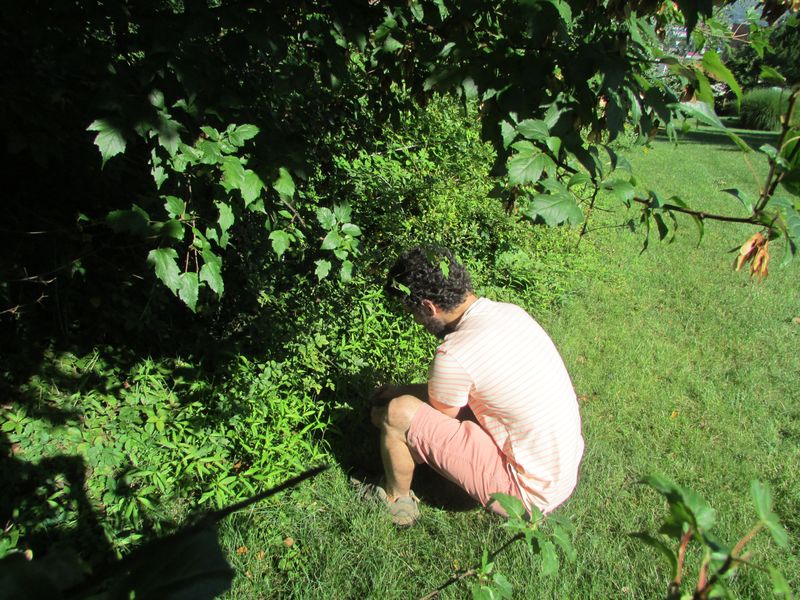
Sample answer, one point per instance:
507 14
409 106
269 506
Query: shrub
763 107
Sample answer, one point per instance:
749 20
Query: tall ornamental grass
762 108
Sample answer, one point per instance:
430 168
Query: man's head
429 281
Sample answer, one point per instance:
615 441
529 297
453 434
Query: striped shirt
501 363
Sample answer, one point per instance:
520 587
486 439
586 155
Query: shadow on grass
712 137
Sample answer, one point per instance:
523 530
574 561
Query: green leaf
534 129
211 133
581 178
555 208
777 532
705 114
175 206
323 268
171 229
109 138
280 241
332 240
211 272
135 221
284 184
791 178
391 44
620 189
417 11
232 173
226 218
326 218
743 197
351 229
779 584
513 506
549 558
662 548
763 499
164 261
342 212
527 165
507 132
713 65
346 273
771 75
188 289
563 539
251 186
503 585
243 133
210 153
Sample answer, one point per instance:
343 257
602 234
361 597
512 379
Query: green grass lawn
683 366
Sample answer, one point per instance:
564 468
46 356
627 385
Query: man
525 439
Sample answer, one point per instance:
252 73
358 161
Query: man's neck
452 317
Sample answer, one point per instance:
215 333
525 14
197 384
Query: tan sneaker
404 510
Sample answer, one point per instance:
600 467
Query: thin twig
469 572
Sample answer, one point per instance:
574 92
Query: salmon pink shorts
463 452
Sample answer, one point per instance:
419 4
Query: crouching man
523 437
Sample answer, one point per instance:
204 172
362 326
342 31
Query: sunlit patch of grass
683 367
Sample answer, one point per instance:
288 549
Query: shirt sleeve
448 382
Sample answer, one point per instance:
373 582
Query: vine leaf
189 289
109 138
164 261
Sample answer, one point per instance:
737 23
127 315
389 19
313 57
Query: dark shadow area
712 137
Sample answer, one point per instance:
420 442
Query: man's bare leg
394 420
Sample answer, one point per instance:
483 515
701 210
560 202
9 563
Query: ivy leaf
164 261
226 218
280 241
284 184
188 289
323 268
211 272
527 165
562 537
109 138
251 186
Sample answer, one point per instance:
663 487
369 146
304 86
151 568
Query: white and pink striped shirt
502 364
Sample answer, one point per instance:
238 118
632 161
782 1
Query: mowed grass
683 366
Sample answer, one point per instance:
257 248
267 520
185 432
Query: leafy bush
763 107
279 382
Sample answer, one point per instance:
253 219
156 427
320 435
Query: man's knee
400 412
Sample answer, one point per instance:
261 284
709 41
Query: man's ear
429 307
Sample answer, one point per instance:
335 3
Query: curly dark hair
419 274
